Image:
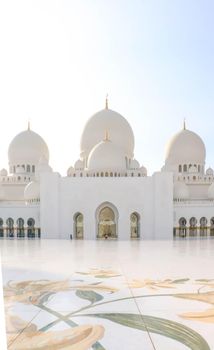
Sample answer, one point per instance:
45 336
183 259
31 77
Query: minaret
107 101
184 123
28 125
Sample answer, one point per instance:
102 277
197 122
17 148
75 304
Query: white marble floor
109 295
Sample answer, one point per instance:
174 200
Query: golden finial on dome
184 123
28 125
107 101
106 136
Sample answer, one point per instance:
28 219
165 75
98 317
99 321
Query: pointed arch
106 217
134 225
78 226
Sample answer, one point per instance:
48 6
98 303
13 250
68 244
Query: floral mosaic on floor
76 313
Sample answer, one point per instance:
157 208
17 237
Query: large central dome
120 132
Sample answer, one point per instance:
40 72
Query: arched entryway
10 227
78 226
135 225
31 228
182 227
107 218
203 226
1 227
20 228
212 226
193 227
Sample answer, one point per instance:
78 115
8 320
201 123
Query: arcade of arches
193 227
107 224
19 228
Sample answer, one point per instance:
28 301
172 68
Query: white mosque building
106 194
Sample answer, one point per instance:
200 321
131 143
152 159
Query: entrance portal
106 224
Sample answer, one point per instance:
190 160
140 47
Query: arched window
135 225
33 168
203 226
193 226
101 174
106 174
185 168
111 174
31 228
199 168
97 174
28 168
20 228
78 226
115 174
132 174
1 227
182 227
10 227
180 169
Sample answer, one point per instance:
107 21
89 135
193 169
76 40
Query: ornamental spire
28 125
107 101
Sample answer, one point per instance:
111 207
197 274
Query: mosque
107 193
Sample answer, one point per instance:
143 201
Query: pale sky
58 59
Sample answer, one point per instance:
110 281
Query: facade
106 194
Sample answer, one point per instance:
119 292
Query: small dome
32 191
143 170
185 147
211 191
79 165
209 171
70 171
107 156
27 148
134 164
119 129
181 190
3 172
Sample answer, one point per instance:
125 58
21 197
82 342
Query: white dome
134 164
27 148
180 191
120 132
32 191
209 171
107 156
185 147
79 165
211 191
70 171
3 172
143 170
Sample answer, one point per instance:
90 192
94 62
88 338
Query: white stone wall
63 197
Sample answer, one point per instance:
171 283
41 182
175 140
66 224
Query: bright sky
154 58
